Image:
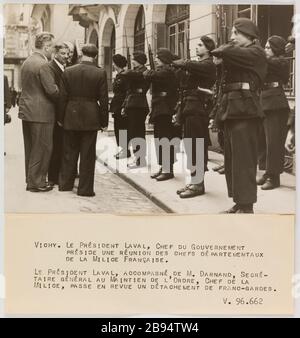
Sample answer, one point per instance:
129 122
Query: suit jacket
84 97
274 98
135 79
53 83
35 104
163 80
242 64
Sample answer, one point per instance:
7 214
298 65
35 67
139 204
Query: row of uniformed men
250 102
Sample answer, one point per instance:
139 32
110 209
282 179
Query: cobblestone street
113 195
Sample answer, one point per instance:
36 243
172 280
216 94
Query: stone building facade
113 28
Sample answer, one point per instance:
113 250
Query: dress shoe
193 190
261 180
221 171
123 154
139 163
232 210
157 173
271 183
164 177
51 183
179 191
40 189
245 209
218 167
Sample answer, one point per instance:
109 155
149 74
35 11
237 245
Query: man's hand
217 60
212 126
290 141
147 73
178 63
59 123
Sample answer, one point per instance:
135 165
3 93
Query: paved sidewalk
280 200
113 195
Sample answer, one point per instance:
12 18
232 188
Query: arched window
177 20
113 41
46 18
139 31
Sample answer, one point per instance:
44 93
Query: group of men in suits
59 108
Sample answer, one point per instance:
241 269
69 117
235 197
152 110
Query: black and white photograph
149 108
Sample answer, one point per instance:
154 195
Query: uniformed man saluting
201 76
136 107
276 108
119 89
245 67
164 98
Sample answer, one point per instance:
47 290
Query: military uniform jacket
85 97
274 98
119 88
35 104
242 64
137 88
200 74
164 90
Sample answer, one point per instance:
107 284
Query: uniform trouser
77 143
55 161
137 129
196 127
165 151
240 152
121 123
38 143
271 143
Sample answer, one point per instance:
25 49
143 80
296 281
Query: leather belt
137 91
82 98
228 87
161 94
268 85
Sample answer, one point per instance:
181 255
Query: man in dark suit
84 88
55 69
245 67
37 112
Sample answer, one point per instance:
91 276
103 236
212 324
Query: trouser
38 143
137 129
240 153
165 143
271 142
55 161
77 143
196 127
121 124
